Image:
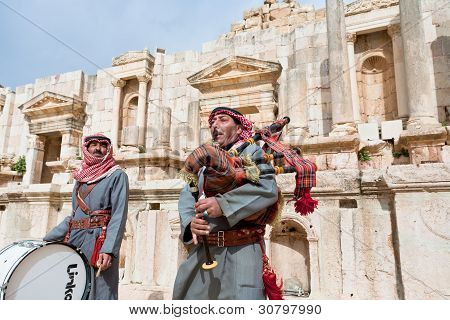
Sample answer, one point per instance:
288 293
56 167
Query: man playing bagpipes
233 222
100 206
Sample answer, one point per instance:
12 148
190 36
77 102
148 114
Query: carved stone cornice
235 70
363 6
118 83
133 56
51 112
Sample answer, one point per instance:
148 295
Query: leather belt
233 238
96 221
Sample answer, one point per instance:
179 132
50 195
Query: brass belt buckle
220 239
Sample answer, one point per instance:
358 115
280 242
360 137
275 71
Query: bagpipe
227 170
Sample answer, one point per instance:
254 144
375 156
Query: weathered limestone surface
382 219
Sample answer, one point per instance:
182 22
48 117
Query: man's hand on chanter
199 227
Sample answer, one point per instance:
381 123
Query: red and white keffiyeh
245 123
94 169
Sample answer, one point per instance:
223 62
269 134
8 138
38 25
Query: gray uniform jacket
109 193
239 271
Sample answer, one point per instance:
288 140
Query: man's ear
239 130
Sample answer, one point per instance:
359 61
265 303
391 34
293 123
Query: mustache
216 132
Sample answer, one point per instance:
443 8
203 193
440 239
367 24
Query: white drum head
53 272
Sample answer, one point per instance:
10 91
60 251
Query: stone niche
376 77
55 125
293 254
245 84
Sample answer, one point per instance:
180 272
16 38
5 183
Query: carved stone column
142 108
419 67
117 99
425 136
5 121
194 124
70 144
296 107
351 39
399 69
341 101
164 123
34 159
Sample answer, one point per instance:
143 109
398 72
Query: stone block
283 51
445 154
391 129
280 13
368 131
237 26
130 136
425 154
344 160
253 22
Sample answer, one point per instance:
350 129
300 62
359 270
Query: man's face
98 148
224 130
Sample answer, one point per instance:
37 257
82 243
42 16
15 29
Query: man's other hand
210 205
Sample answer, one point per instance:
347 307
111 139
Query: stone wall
381 229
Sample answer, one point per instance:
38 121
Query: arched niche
128 131
293 251
376 86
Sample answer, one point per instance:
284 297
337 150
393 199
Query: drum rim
87 266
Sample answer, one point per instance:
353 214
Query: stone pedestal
332 153
424 146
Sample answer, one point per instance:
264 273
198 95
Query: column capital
118 83
351 37
144 78
393 30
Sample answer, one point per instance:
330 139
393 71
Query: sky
35 35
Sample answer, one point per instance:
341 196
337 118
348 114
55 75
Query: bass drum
32 269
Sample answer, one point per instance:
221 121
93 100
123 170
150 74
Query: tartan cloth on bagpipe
305 178
222 173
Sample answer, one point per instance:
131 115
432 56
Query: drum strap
80 196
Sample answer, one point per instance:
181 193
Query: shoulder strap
82 195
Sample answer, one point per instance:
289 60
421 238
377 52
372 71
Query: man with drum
230 217
100 206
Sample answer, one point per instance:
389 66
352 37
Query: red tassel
273 290
305 204
98 246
